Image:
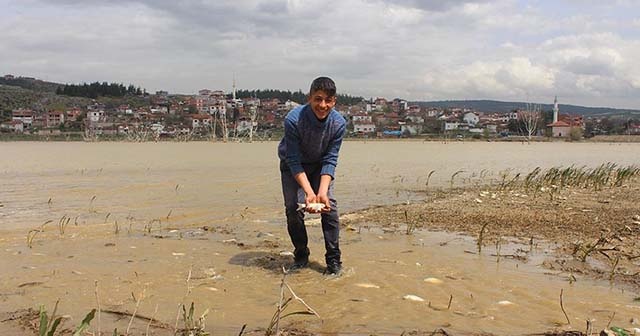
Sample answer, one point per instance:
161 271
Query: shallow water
234 188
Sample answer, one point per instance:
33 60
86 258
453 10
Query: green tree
513 126
5 115
575 134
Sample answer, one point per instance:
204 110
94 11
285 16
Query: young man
308 156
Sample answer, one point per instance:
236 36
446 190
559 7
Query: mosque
563 123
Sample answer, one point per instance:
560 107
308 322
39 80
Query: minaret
555 109
234 87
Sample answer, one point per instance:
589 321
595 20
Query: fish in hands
313 207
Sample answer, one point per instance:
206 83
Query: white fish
367 285
313 206
433 281
177 253
411 297
505 303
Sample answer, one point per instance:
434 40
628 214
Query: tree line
97 89
296 96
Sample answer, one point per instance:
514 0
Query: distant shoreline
80 138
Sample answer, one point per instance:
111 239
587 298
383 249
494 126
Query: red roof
201 116
558 123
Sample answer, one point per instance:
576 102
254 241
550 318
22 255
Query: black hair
324 84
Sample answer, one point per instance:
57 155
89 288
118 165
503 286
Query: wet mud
158 236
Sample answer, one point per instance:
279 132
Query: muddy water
157 195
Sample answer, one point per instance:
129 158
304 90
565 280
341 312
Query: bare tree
254 124
529 119
223 123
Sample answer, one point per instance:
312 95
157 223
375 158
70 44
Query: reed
411 224
192 326
556 179
31 235
274 325
62 224
426 184
453 177
48 325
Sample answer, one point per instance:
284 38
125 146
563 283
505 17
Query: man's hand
310 198
324 199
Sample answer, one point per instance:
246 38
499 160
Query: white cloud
515 77
393 48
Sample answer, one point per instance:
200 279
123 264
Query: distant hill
31 84
32 93
500 106
14 97
35 93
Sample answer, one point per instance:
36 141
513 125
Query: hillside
13 97
500 106
31 84
24 92
38 94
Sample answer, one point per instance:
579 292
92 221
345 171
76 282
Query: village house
471 118
399 105
124 109
414 109
414 117
201 121
218 108
95 116
73 114
25 116
269 104
159 110
379 104
244 125
55 118
432 112
385 120
491 128
450 126
204 92
363 123
410 128
289 104
15 126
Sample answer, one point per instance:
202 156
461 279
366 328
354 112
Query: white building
24 116
451 125
471 118
362 123
95 116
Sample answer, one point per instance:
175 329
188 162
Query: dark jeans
293 195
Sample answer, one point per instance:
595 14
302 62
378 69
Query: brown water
235 188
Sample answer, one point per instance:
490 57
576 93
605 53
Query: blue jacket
308 140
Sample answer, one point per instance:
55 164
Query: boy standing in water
308 156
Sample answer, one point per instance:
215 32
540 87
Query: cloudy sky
587 52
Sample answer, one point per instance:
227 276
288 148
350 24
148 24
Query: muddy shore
594 234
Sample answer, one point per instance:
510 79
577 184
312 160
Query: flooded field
159 224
